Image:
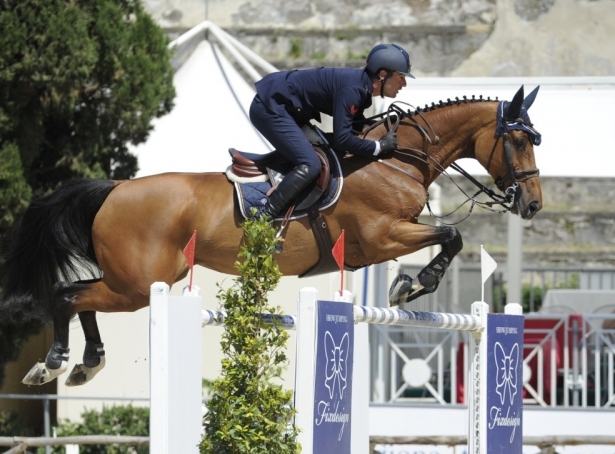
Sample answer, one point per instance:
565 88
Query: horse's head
510 158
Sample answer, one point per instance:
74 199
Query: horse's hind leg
93 355
405 289
63 307
56 361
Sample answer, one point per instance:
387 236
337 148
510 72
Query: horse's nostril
534 206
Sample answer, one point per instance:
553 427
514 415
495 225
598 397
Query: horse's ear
514 109
529 99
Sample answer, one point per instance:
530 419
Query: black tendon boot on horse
405 289
287 191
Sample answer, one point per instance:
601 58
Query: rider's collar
504 125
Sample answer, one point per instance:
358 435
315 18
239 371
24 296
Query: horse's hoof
41 374
400 290
81 374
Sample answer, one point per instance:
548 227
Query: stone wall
444 37
435 50
575 226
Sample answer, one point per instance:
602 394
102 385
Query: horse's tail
52 243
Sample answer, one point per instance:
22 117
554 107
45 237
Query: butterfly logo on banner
337 364
506 377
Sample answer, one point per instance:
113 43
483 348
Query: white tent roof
210 116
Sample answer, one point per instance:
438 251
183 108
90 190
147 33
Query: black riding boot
288 189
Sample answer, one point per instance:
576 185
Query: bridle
515 176
508 185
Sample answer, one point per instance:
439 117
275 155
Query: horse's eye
520 142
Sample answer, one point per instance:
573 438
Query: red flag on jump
189 255
338 255
338 251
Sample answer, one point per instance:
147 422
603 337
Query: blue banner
333 383
504 383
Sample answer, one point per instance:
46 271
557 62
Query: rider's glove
388 143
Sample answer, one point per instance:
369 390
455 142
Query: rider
287 100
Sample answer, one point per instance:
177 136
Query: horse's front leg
404 288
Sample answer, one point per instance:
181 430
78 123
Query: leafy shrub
247 413
114 420
12 426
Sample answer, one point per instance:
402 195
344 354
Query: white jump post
176 369
328 369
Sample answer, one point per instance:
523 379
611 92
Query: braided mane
449 102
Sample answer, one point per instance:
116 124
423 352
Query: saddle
272 167
250 165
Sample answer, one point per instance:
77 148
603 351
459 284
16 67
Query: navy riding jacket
343 93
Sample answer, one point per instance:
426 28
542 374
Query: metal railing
569 361
459 285
539 279
20 444
546 444
46 399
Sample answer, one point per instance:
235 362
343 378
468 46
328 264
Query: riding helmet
391 57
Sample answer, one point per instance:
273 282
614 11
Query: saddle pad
254 195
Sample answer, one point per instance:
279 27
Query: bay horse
129 234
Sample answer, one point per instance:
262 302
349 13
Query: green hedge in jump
247 412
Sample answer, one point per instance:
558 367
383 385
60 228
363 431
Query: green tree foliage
80 80
12 426
247 413
115 420
15 193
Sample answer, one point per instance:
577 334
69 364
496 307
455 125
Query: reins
511 192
